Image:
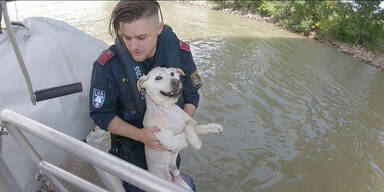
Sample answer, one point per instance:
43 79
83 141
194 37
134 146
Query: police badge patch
98 98
195 80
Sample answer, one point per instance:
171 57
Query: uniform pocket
134 153
137 156
125 149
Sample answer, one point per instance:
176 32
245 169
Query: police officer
142 43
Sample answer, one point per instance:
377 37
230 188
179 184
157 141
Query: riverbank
360 53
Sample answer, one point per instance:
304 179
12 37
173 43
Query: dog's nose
175 83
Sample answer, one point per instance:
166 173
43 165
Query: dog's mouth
173 93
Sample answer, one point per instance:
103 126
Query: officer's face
140 37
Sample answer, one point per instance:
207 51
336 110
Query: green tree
354 22
368 15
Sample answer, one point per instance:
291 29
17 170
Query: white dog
178 129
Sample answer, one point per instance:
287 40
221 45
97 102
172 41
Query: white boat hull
55 54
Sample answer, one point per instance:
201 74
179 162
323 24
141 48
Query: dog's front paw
215 128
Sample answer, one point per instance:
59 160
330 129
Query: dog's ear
179 71
141 82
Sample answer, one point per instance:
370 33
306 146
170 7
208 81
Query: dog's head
162 85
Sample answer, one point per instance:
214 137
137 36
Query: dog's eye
172 74
158 78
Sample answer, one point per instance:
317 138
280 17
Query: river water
297 115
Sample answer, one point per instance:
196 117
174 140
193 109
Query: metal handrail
122 169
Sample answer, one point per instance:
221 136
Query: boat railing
141 178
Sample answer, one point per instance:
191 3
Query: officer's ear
141 82
160 26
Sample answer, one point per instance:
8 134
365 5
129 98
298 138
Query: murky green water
298 116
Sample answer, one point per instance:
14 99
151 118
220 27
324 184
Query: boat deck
82 169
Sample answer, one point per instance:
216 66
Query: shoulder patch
195 80
105 56
98 98
184 46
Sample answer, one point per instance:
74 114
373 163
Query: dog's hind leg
176 178
157 163
162 172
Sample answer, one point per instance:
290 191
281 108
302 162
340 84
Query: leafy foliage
354 22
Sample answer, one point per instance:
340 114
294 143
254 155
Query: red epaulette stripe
107 54
184 46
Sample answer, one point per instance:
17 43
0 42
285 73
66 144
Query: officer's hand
150 140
